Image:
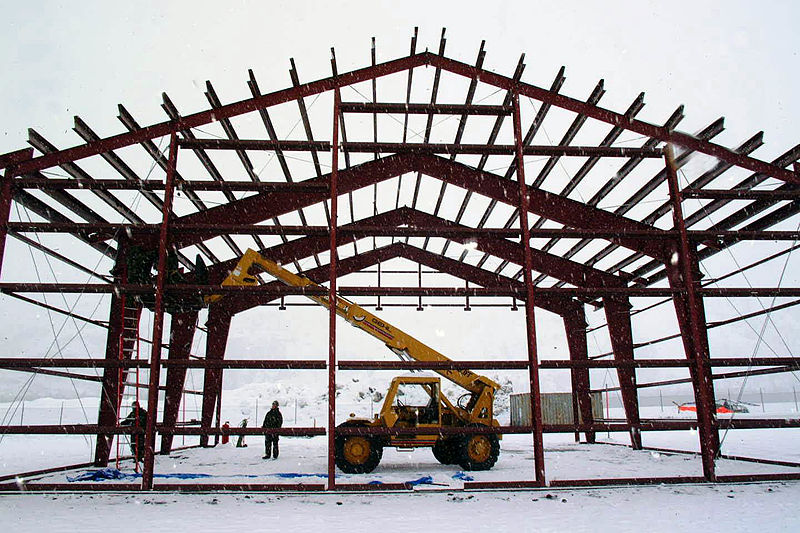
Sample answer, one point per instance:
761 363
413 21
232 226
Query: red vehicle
724 406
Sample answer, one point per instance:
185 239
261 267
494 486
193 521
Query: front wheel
478 452
445 451
356 454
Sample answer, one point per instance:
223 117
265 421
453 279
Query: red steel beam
18 156
282 290
704 388
421 147
84 377
719 376
365 230
163 487
255 144
219 323
362 230
424 109
157 185
277 290
432 365
530 313
320 364
239 487
6 196
158 319
107 412
646 425
601 482
575 328
273 364
180 345
118 350
617 310
332 305
286 432
722 194
731 292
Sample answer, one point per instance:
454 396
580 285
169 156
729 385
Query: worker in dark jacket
272 420
138 419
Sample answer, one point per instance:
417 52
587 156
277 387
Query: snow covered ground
439 504
760 507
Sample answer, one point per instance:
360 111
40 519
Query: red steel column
533 359
7 192
332 297
180 344
107 412
219 324
5 211
112 386
617 309
703 384
158 319
575 326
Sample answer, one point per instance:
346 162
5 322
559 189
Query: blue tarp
112 473
463 477
424 480
292 475
100 475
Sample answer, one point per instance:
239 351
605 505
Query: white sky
60 59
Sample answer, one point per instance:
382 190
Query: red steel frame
580 220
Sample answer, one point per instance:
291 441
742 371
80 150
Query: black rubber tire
445 451
371 456
478 452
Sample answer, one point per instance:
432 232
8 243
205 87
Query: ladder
129 349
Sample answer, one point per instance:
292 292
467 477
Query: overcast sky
61 59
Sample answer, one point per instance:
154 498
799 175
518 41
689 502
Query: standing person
240 441
272 420
225 427
138 418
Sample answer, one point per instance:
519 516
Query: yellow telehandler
411 402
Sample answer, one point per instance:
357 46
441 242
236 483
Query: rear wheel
445 451
478 452
356 454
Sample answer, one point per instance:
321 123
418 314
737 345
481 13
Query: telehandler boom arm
401 343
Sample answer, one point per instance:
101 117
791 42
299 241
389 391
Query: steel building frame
649 254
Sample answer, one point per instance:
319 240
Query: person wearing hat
272 420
